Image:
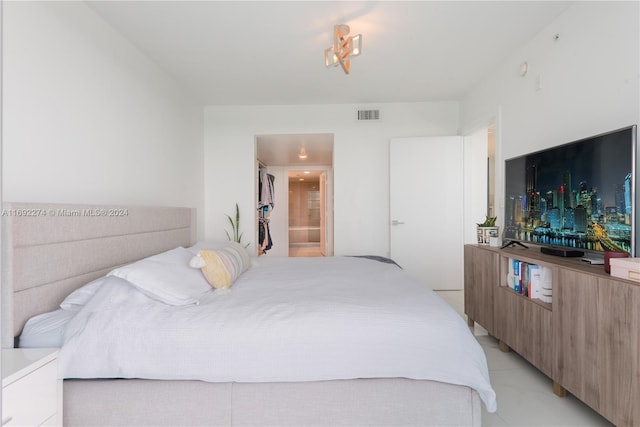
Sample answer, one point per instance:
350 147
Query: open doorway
307 221
300 222
480 177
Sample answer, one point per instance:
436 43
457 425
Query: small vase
484 233
610 254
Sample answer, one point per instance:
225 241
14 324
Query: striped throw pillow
222 267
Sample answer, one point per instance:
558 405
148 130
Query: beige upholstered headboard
51 249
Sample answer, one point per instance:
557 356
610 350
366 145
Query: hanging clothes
267 191
264 236
266 202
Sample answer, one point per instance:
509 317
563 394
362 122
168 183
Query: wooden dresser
587 340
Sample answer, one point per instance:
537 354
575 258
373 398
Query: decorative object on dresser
626 268
610 247
586 340
609 255
487 229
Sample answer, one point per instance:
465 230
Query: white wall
89 119
589 83
361 162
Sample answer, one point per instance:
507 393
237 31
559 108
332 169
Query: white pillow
166 277
78 298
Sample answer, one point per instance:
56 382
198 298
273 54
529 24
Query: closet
266 203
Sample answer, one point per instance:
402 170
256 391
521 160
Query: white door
426 209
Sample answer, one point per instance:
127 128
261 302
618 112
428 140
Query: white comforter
285 319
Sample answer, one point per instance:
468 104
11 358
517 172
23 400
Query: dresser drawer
32 399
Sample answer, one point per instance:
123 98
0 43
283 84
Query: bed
363 378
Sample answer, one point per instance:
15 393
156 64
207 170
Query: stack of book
531 280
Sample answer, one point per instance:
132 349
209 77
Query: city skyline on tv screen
576 195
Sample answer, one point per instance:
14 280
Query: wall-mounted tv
580 196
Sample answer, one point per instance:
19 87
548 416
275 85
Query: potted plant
487 229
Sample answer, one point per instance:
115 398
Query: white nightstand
31 390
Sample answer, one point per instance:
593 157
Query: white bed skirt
365 402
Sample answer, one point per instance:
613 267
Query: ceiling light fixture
344 47
303 153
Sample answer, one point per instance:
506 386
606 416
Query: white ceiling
284 150
272 52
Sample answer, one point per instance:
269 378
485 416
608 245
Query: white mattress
284 320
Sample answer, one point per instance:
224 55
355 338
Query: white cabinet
31 390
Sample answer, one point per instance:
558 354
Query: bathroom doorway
306 213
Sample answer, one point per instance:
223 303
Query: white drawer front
32 399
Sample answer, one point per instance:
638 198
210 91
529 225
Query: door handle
396 222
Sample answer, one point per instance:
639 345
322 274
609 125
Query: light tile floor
525 395
304 250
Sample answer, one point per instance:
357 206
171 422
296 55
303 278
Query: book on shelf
535 285
530 280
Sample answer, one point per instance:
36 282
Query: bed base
362 402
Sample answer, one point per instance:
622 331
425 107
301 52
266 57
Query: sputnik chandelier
344 48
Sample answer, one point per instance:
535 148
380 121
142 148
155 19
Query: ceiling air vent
368 114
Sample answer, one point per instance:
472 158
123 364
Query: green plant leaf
488 221
235 227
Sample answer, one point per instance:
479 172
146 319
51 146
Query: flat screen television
576 197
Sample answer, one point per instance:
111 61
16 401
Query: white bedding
285 319
46 330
